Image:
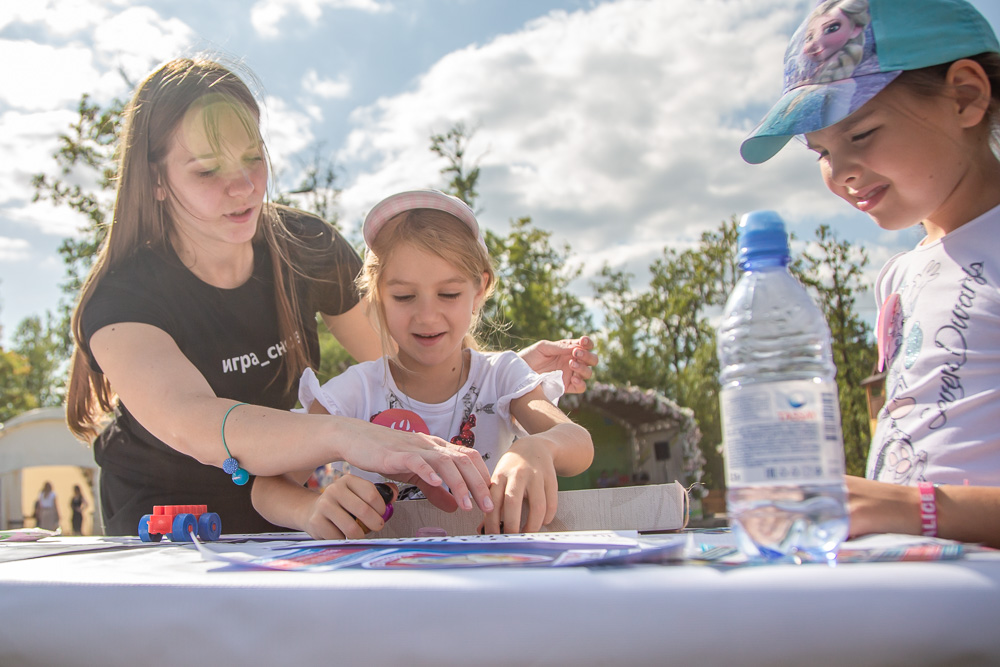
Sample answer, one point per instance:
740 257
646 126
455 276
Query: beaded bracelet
231 466
928 509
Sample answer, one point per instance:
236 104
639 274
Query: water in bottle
784 450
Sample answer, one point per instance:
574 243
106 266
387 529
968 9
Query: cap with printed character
847 51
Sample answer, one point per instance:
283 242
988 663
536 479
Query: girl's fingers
367 504
491 520
513 505
348 508
537 504
551 500
341 517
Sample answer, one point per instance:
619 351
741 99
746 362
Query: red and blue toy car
179 522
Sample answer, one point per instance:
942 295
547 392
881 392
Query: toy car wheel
183 526
209 526
144 534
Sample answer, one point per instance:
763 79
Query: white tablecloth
163 604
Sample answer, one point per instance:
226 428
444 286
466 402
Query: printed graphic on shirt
242 363
898 460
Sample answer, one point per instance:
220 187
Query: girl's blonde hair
141 220
434 232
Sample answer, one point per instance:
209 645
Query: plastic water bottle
784 448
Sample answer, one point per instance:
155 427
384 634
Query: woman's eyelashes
248 162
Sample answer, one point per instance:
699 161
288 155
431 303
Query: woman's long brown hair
140 220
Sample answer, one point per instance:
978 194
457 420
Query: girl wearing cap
914 144
425 278
199 316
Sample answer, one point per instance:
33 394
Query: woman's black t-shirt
231 336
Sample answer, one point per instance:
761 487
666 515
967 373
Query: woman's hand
345 509
525 474
571 356
406 456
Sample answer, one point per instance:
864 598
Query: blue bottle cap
762 235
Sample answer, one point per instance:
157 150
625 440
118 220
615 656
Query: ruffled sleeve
347 384
515 379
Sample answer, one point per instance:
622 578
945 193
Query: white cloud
67 71
28 140
14 250
56 221
90 50
266 15
286 132
138 37
324 87
58 17
617 128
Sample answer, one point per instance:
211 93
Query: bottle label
782 433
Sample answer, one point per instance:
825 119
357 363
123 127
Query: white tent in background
40 439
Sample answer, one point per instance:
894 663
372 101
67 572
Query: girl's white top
495 379
941 419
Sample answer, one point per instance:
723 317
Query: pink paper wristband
928 509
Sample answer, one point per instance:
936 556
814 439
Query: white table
163 604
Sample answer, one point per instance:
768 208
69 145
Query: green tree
85 155
835 271
318 191
40 346
14 395
532 300
662 337
452 146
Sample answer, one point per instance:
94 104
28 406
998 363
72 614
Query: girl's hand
341 509
525 473
571 356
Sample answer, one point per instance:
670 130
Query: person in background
77 504
914 144
426 275
200 314
46 510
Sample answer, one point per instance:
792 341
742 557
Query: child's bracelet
928 509
231 466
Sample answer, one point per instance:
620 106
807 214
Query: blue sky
613 124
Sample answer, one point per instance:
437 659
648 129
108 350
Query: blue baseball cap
848 51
